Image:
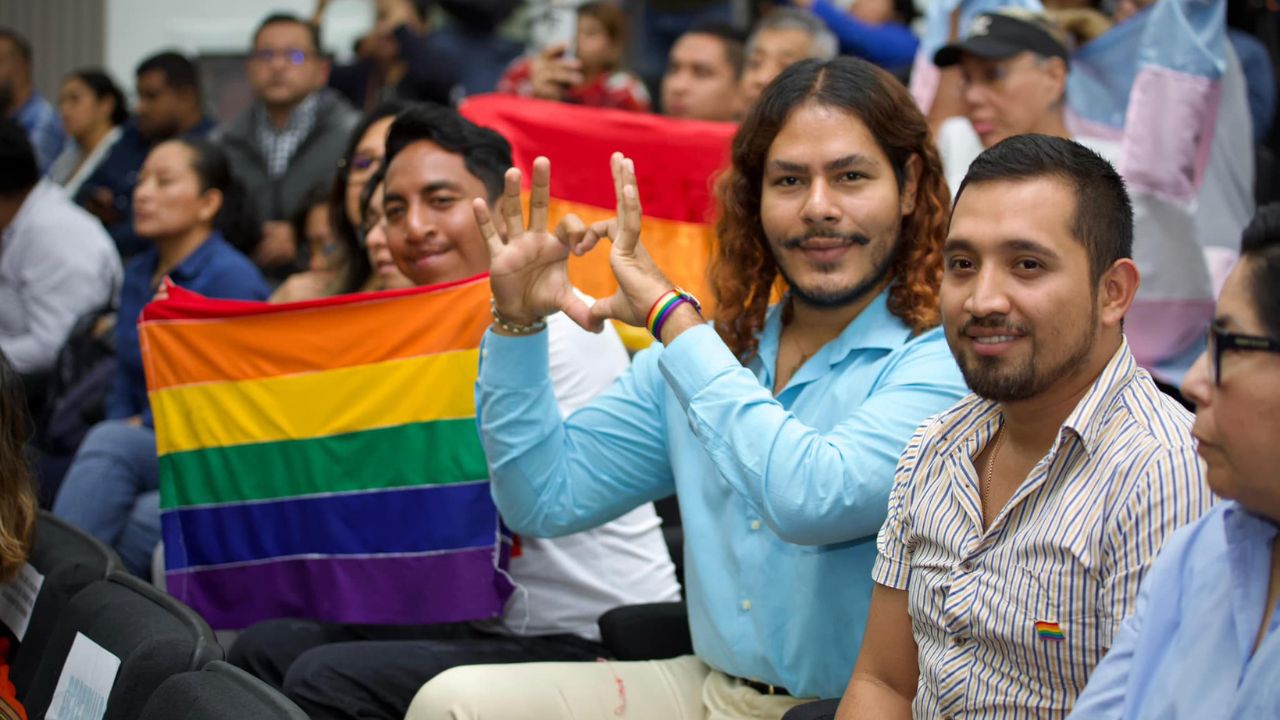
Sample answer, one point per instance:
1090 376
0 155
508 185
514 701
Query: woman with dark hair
327 259
373 233
361 160
93 109
17 505
1204 637
185 202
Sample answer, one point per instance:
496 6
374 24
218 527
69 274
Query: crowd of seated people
924 467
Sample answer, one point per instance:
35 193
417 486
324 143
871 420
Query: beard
834 297
6 97
1022 379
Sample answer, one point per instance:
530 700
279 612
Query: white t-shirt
565 584
57 263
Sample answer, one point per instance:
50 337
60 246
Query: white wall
136 29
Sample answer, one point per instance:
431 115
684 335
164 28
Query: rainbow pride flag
321 459
677 162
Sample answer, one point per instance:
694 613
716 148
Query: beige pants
678 689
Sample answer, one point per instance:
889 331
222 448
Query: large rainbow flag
321 459
677 162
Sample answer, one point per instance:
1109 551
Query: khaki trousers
679 689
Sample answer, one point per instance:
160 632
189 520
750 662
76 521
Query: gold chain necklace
991 466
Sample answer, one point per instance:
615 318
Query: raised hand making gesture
528 269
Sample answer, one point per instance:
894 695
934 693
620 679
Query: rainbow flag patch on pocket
1049 631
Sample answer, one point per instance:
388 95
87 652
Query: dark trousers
819 710
357 671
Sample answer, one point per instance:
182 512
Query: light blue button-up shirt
1187 651
781 498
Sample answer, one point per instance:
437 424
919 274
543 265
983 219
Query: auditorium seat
69 560
218 692
152 634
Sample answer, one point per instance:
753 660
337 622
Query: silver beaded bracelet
515 328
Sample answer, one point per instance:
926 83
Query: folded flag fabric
1164 88
677 162
1167 86
321 460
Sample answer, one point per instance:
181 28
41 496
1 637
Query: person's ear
1116 290
910 185
209 204
1056 72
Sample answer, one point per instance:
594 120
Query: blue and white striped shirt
1068 550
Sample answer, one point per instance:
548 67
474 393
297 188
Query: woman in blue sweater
185 200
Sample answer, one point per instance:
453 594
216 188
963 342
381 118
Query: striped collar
1086 422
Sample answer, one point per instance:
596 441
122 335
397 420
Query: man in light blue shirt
1203 640
777 428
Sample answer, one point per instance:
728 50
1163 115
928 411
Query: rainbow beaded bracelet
664 306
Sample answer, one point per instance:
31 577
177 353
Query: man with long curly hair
778 428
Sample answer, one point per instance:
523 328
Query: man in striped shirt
1022 519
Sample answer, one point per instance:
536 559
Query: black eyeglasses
1222 340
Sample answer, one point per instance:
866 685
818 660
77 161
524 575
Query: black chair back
152 634
69 560
218 692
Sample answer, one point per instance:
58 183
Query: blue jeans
111 491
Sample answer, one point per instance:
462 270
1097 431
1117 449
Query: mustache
847 238
994 322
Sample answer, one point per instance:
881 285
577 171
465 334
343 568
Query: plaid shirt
279 145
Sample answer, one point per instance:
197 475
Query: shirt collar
195 263
299 118
1087 421
28 108
874 328
1245 528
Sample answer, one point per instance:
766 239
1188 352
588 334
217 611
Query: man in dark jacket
292 135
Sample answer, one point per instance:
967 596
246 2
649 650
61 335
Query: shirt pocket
1057 627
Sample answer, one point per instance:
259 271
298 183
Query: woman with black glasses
1204 640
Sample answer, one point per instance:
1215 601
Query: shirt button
958 641
755 524
746 604
966 566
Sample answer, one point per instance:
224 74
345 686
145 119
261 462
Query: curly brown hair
743 271
17 488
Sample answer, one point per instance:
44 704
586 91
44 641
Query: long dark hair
344 228
236 219
743 270
17 490
103 87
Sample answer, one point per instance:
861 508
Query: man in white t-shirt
437 163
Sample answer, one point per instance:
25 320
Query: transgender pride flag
321 459
1167 86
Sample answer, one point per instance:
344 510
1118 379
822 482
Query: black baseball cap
996 36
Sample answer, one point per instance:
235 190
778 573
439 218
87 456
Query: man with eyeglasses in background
292 134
